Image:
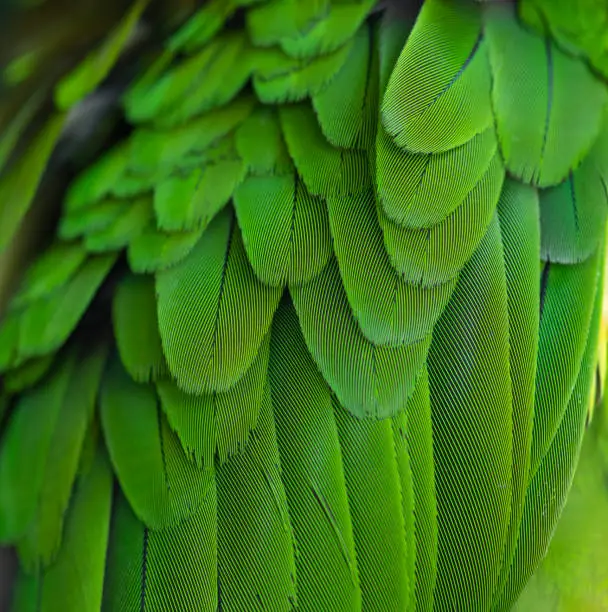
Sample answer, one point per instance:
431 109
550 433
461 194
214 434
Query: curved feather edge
161 484
389 310
170 568
213 312
135 325
215 426
567 301
312 472
369 380
256 553
541 145
431 106
371 474
285 229
436 255
521 238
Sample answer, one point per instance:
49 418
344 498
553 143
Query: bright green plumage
314 320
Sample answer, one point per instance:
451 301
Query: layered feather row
354 333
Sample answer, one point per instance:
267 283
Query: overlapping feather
342 380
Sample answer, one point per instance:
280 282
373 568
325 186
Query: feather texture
75 580
431 104
212 310
162 486
145 565
313 473
534 74
285 229
216 425
369 380
473 472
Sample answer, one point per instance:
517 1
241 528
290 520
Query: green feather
26 444
566 309
216 425
47 323
573 214
9 340
54 268
312 472
158 100
162 486
19 182
131 222
259 142
421 190
27 374
324 169
419 440
388 309
13 130
406 481
521 235
578 28
95 67
473 471
202 26
432 106
275 20
130 183
550 483
96 182
537 91
43 537
168 569
136 328
92 219
213 312
285 229
437 254
154 250
330 32
75 580
228 69
278 78
392 31
369 380
185 202
159 151
374 495
572 575
256 564
347 116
